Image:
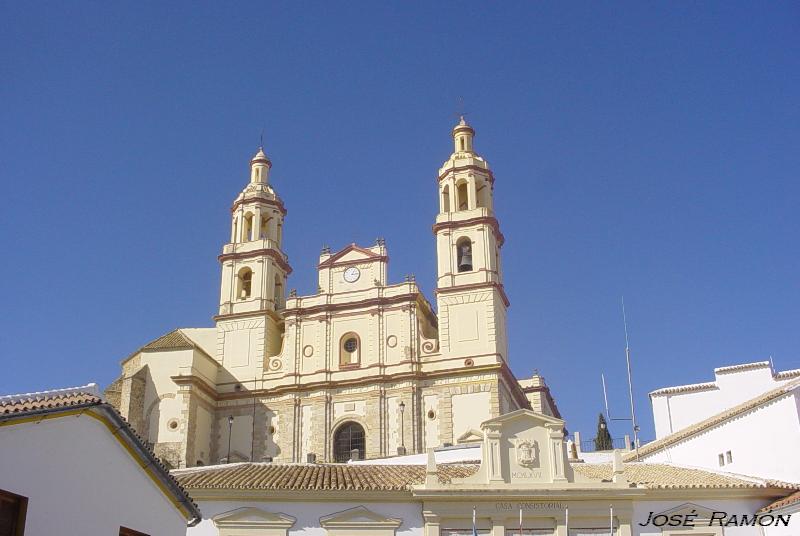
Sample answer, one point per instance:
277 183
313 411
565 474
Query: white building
517 478
746 421
69 464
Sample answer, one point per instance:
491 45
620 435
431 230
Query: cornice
476 286
371 380
480 220
370 302
258 253
456 169
259 199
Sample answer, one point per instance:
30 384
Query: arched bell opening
464 254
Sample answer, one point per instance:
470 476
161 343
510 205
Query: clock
352 274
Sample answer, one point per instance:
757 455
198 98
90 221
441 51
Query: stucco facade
516 479
363 362
713 424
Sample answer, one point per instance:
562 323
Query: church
364 368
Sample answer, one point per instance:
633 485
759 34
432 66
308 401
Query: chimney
354 455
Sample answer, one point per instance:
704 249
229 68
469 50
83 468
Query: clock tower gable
353 268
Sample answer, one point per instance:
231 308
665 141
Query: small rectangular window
721 460
13 509
729 456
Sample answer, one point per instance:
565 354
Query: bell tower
254 268
469 286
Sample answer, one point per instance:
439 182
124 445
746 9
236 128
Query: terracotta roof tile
789 500
664 476
707 386
307 477
44 401
714 420
174 340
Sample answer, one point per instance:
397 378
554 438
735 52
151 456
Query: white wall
672 412
309 513
762 442
641 511
80 480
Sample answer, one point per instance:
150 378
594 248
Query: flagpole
611 519
474 527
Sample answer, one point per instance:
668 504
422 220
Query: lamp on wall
230 428
401 450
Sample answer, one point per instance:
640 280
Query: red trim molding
258 199
466 168
482 220
277 257
476 286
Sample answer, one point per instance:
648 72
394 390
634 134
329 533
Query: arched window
247 228
446 199
349 350
482 195
462 199
464 254
349 437
244 283
263 232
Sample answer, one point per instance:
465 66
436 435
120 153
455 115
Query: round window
431 414
173 424
351 345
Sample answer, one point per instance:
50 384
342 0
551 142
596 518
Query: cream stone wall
278 364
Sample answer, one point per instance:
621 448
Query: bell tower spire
254 267
468 242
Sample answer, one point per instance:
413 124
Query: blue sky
642 149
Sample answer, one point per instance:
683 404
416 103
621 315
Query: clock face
352 274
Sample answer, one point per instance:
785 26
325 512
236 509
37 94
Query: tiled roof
789 500
741 367
665 476
47 400
794 373
307 477
15 408
707 386
714 420
174 340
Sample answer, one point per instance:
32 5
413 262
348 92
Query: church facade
363 368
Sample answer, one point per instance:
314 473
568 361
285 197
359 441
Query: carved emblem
526 452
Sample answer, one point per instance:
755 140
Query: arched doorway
348 437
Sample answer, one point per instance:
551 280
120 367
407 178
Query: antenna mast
630 382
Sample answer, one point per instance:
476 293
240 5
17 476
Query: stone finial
431 475
617 467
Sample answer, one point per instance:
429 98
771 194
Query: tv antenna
632 418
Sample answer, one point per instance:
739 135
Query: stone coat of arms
526 452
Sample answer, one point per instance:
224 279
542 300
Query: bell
465 262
